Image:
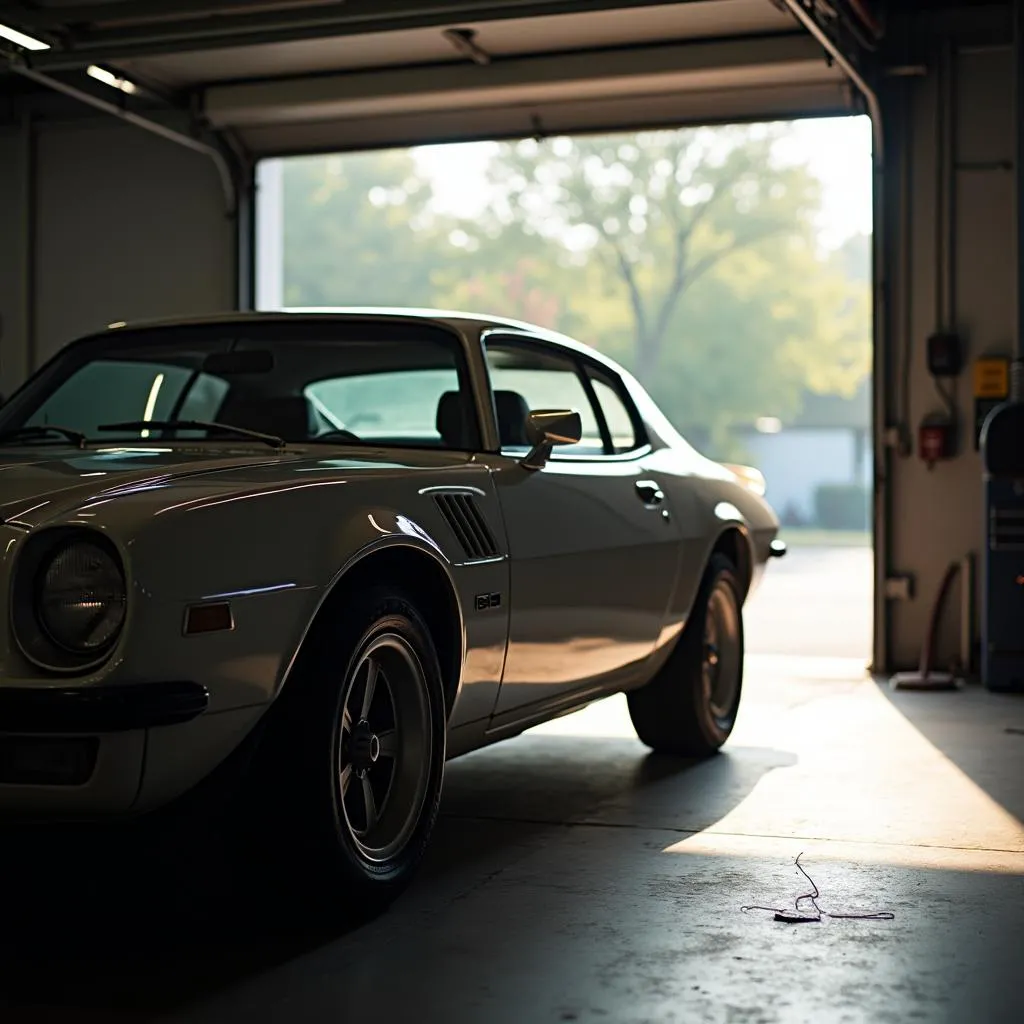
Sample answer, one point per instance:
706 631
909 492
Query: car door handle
649 492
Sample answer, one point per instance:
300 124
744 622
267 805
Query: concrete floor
574 877
815 602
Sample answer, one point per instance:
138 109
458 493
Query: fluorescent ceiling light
109 78
12 35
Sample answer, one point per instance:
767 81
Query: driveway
815 602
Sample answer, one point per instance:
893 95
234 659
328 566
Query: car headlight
81 597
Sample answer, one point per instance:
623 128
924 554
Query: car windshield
393 384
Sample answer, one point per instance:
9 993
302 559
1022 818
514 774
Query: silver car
318 554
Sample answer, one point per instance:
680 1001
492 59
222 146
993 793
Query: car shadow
98 925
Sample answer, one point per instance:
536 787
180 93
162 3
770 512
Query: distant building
829 442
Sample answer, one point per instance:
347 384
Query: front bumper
82 750
109 750
99 709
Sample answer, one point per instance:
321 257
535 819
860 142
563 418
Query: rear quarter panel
708 500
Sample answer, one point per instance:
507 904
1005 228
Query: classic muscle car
338 549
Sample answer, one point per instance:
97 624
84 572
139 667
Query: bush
842 507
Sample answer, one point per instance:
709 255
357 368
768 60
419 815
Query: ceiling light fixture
12 35
109 78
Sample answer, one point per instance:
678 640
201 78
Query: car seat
285 416
512 410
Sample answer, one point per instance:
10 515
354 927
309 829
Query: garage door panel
781 102
712 81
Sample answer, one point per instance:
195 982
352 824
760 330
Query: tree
660 210
359 230
750 341
690 256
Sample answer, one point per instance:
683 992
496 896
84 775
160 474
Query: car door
594 547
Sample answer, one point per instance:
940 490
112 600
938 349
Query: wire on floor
801 916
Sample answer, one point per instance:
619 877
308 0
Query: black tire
297 797
677 711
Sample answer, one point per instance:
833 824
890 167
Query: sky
838 150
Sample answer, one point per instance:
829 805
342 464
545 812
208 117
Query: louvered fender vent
468 525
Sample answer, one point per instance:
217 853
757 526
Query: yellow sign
992 377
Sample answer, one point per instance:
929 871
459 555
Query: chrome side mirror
547 427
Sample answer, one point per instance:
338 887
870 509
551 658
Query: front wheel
689 708
350 773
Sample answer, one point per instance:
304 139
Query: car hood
62 477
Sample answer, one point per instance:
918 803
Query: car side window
621 425
527 377
395 406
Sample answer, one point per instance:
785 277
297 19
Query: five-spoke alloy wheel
353 758
385 746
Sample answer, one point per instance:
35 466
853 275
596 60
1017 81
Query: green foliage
690 256
842 507
359 231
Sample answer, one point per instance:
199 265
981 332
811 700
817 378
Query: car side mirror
547 427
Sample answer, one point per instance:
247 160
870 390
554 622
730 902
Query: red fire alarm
935 440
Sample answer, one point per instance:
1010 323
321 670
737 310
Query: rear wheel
348 780
689 708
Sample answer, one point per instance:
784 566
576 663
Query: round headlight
81 597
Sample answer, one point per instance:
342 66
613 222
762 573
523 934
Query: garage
838 838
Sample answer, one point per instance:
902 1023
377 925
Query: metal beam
807 19
675 68
308 21
121 111
119 12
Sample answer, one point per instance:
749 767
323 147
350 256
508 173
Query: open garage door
298 77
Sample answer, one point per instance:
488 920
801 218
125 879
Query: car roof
450 318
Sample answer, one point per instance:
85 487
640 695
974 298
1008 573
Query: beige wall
935 516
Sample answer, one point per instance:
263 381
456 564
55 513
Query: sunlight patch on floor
864 773
860 772
713 842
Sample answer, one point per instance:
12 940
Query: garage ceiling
305 75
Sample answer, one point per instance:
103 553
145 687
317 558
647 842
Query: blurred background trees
690 256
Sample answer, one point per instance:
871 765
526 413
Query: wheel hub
363 749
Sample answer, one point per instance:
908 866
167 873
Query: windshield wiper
218 428
76 437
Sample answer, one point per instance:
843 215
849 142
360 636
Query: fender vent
468 525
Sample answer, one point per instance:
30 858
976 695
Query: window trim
593 369
583 365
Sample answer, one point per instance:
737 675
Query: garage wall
13 251
953 138
126 226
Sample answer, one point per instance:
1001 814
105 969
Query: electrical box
991 389
1002 617
945 355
